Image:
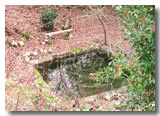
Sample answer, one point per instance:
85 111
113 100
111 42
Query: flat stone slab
107 95
72 52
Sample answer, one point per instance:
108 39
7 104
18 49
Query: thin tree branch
105 36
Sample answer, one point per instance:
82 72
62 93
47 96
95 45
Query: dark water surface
70 76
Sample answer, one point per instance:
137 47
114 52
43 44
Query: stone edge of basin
74 51
110 93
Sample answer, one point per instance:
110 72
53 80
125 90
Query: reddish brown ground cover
87 30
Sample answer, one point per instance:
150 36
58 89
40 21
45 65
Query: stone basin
69 71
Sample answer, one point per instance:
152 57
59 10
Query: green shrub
47 17
138 28
117 68
139 22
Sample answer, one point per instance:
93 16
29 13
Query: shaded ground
87 30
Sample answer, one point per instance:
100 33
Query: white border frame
65 2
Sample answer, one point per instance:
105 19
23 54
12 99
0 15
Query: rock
153 105
107 97
42 43
41 50
122 97
90 99
70 36
33 62
36 61
119 95
49 50
45 40
27 59
35 53
21 43
27 54
115 97
117 102
14 43
45 51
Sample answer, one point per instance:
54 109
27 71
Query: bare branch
105 36
98 12
58 32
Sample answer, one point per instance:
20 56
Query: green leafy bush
138 28
47 17
117 68
139 22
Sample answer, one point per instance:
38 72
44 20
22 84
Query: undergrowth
34 97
